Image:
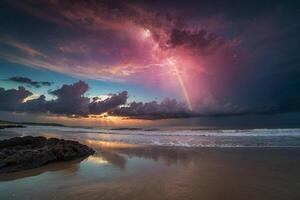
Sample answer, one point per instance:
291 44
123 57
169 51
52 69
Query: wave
175 137
295 132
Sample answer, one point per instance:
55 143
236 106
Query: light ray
181 83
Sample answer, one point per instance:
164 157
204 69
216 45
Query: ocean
175 137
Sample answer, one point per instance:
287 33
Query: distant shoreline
3 126
10 124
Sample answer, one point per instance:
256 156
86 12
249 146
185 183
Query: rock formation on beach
20 153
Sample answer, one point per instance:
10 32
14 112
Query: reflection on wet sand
208 173
68 167
125 171
108 151
107 157
114 158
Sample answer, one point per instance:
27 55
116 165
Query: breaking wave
173 137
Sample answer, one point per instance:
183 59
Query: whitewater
181 137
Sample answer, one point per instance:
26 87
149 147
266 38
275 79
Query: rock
20 153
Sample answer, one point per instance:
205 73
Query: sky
150 62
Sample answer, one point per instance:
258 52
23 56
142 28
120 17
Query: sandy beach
120 171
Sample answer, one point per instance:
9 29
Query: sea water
181 137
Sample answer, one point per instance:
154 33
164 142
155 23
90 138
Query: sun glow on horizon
110 145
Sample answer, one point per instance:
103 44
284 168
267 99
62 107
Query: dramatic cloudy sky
88 60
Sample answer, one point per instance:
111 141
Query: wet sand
120 171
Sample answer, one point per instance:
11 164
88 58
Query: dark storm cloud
11 99
38 105
200 40
285 88
167 27
69 100
28 81
168 108
270 90
96 106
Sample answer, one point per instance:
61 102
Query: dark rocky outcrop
20 153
